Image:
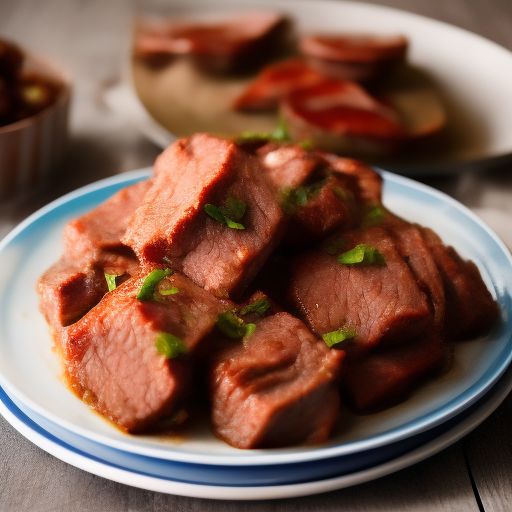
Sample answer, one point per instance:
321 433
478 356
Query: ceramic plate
30 371
148 474
471 74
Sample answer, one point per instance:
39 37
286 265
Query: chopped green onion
233 326
280 134
362 255
259 307
165 288
148 288
169 345
249 329
335 337
233 211
111 281
293 197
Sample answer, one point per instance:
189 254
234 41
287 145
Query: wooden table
89 38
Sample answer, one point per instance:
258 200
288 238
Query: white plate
472 74
104 464
30 371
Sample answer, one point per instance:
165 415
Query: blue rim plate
30 372
155 474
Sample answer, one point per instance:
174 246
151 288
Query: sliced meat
96 236
172 224
470 309
340 116
413 248
387 377
238 43
354 57
277 388
382 303
112 360
274 82
67 292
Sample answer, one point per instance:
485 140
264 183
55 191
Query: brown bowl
30 148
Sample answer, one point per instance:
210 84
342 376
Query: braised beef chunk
112 358
96 236
173 224
67 291
276 388
412 247
387 377
470 309
381 302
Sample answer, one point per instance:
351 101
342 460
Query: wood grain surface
89 38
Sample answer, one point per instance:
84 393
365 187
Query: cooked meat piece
239 43
96 236
470 309
276 388
288 166
354 57
274 82
172 224
369 181
67 291
111 357
382 303
387 377
340 116
412 247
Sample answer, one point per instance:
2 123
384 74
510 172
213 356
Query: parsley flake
374 217
362 254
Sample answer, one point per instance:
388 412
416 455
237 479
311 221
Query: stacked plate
35 400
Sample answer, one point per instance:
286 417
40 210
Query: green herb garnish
362 255
299 196
233 326
111 281
335 337
374 217
229 214
280 134
149 286
167 290
169 345
259 307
